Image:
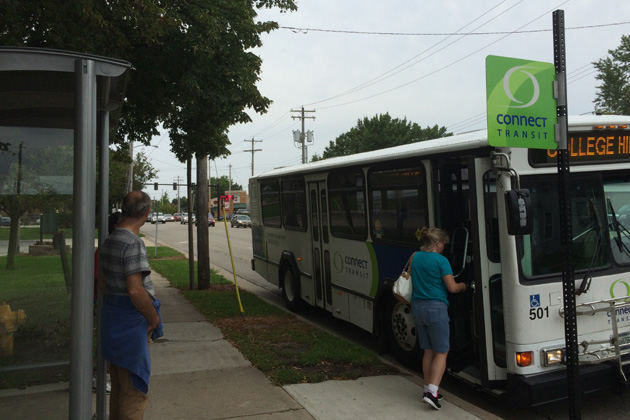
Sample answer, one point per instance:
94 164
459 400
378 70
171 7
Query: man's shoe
431 400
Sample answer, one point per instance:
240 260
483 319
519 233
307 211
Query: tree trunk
203 246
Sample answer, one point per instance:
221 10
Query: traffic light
174 186
155 186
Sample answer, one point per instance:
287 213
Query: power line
391 72
306 30
446 66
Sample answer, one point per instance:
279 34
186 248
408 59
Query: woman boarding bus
337 232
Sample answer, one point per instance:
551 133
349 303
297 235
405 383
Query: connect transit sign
520 103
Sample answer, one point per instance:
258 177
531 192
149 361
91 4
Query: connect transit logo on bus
521 106
620 288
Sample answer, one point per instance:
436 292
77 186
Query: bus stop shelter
57 105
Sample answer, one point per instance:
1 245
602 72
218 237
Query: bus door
455 212
320 244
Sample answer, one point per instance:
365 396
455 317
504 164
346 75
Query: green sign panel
521 106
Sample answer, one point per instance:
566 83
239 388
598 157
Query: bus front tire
402 335
290 288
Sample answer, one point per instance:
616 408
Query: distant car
185 218
177 217
241 220
169 218
5 221
158 218
211 221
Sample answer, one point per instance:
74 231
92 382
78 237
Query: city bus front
532 280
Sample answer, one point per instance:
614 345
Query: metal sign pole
566 235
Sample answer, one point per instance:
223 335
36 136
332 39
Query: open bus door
455 215
320 244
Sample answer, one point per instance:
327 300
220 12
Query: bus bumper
552 386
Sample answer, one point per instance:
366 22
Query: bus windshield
617 190
540 253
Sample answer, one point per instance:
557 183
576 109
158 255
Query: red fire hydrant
9 321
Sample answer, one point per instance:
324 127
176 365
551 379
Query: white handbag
403 287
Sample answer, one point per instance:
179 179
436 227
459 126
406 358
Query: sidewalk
197 374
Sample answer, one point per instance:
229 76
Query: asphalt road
601 406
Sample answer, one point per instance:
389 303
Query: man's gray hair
135 204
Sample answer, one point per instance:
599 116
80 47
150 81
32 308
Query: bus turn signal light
524 358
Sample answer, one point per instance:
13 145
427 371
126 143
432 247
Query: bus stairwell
613 348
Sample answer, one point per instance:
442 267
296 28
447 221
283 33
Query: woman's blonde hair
429 238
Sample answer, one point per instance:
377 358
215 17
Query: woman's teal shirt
427 270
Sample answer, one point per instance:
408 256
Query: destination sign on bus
589 147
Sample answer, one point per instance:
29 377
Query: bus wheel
402 334
290 288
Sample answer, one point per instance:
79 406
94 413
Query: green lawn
285 348
32 233
38 288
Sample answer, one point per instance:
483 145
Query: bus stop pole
566 234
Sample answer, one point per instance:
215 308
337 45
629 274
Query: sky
420 60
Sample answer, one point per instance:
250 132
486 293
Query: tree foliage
119 160
224 185
379 132
613 95
193 65
194 69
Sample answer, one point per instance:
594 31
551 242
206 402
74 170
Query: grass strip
287 349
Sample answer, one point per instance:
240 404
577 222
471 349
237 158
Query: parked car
158 218
241 220
185 218
211 221
177 217
169 218
5 221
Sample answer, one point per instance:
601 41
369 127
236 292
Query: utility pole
302 137
230 177
178 180
252 141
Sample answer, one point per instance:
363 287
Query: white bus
336 233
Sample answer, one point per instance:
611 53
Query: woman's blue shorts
432 324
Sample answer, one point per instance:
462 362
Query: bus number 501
539 313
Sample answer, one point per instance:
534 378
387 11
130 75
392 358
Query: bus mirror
519 214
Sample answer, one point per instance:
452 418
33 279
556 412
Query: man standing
130 313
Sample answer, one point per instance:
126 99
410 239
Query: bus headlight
553 356
524 358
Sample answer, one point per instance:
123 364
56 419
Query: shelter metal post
103 230
82 323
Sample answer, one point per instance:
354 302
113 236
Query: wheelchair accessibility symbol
534 301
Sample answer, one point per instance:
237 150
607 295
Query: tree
613 96
224 185
379 132
119 162
194 66
31 179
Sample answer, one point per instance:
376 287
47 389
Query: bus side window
347 204
398 204
294 204
270 203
